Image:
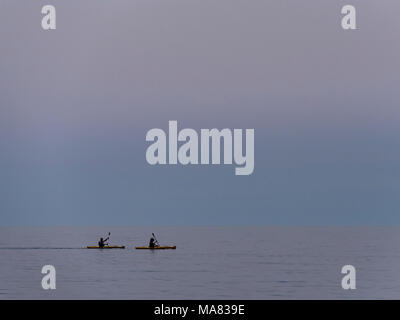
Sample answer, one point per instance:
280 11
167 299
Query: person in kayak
102 242
152 243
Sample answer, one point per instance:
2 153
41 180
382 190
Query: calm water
209 263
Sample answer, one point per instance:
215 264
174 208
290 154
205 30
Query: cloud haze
76 103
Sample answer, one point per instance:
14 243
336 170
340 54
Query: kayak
156 248
106 247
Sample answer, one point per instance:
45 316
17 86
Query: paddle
154 236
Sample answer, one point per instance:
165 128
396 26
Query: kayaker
152 243
102 242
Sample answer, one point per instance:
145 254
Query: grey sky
76 103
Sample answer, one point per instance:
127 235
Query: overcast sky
76 103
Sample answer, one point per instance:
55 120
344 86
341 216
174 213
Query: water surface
209 263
